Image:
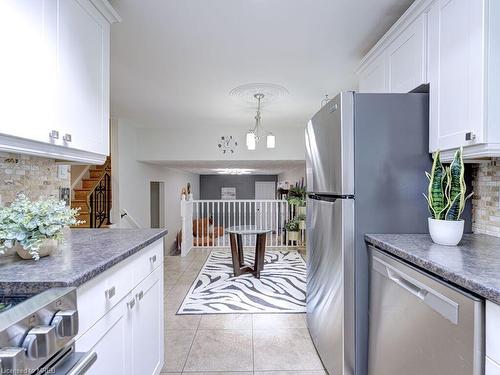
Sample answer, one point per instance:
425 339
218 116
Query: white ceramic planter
293 236
46 249
446 232
302 224
301 210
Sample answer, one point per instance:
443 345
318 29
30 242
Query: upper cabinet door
83 60
456 67
406 56
28 68
373 78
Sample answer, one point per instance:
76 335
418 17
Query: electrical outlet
62 172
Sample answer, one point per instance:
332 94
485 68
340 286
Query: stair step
95 174
88 183
82 204
81 194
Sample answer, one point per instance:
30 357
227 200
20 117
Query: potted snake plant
446 200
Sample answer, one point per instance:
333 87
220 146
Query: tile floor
230 344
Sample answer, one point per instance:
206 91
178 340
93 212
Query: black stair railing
100 202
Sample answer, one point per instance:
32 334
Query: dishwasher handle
432 298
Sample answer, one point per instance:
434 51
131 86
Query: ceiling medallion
227 145
260 94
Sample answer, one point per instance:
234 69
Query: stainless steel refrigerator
366 157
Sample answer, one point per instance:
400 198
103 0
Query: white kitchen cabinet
492 331
83 60
111 339
406 58
454 46
28 69
464 69
122 315
55 78
147 325
372 78
398 62
456 61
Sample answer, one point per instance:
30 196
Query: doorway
157 204
265 190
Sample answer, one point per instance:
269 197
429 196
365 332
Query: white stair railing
205 221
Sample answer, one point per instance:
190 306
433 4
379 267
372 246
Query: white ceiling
174 62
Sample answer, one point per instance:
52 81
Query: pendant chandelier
258 132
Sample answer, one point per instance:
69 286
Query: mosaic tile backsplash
486 204
32 175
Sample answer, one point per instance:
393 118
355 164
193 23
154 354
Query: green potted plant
446 200
292 230
297 197
34 228
301 218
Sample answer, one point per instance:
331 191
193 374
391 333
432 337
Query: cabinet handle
109 293
470 136
140 295
67 138
131 303
152 259
54 134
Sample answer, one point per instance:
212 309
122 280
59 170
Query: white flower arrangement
29 223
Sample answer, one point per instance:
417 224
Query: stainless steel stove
37 335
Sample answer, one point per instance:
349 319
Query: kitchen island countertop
473 265
84 254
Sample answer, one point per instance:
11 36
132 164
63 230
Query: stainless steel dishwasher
420 325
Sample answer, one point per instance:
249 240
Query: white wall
293 175
201 144
132 183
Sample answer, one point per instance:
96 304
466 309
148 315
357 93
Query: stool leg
241 255
260 249
235 254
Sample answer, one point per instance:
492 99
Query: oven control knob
11 360
40 342
65 323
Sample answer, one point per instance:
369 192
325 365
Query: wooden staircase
93 197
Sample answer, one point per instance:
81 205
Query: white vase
446 232
47 247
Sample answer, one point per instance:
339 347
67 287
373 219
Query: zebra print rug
280 289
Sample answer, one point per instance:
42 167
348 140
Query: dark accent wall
210 185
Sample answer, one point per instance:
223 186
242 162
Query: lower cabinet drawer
149 260
102 293
111 340
491 367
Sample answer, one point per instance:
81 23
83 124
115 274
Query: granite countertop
84 254
473 265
